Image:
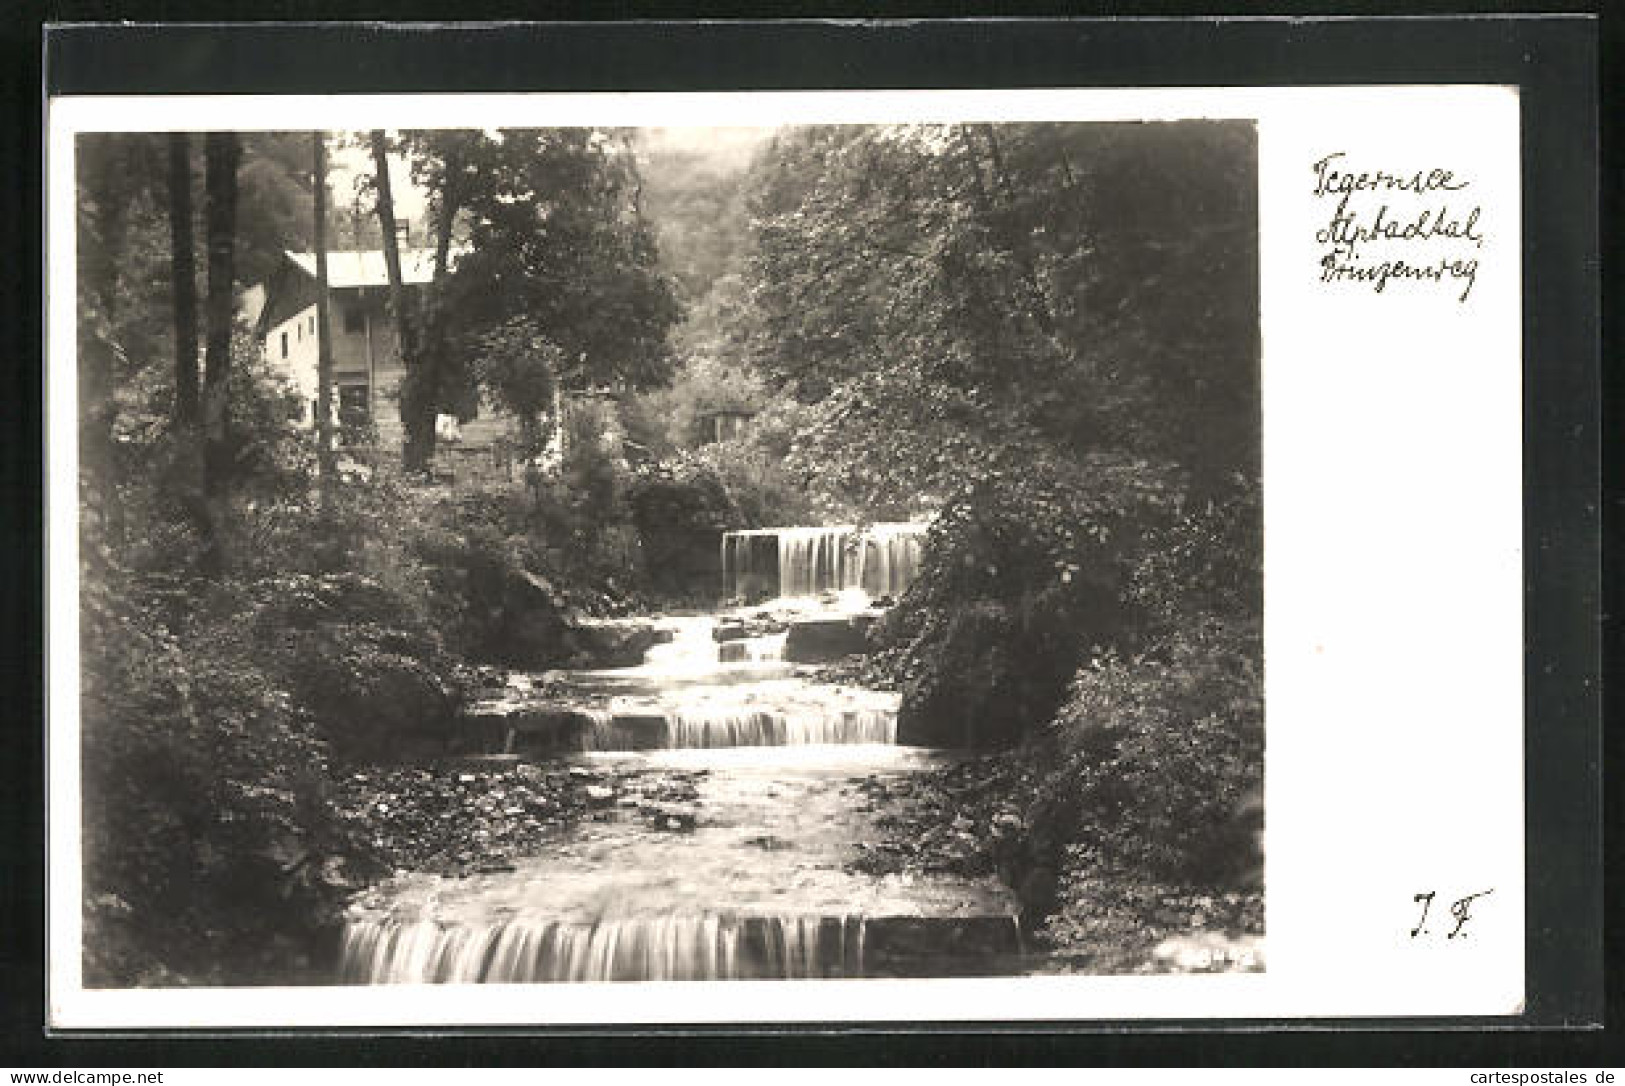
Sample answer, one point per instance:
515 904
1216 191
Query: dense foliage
944 292
221 695
1043 335
555 235
1026 566
204 785
1048 335
1162 749
1047 331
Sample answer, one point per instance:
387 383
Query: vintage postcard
1047 555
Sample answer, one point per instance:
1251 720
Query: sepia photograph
890 539
596 553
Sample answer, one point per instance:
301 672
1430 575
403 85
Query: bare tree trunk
326 462
417 404
183 274
222 151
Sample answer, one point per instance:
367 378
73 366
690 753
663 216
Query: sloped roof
366 268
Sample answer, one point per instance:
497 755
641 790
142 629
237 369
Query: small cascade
750 564
768 728
709 726
652 948
695 650
719 836
692 648
891 558
814 560
753 650
878 560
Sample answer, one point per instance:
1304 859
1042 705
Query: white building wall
291 349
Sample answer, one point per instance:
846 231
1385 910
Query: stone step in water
713 946
607 711
647 681
688 729
547 729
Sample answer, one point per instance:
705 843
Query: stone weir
879 559
716 946
708 682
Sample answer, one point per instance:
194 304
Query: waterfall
709 727
718 858
662 947
879 560
768 728
814 559
891 558
750 564
695 691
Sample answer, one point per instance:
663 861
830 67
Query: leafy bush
680 509
1206 561
761 490
684 494
519 367
1024 571
1161 755
681 506
363 662
494 608
205 783
577 519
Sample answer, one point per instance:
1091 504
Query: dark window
353 404
354 319
284 345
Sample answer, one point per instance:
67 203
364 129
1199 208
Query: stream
751 874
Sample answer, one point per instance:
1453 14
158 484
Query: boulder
730 629
603 643
531 627
823 640
379 706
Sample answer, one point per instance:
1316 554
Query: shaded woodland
1042 336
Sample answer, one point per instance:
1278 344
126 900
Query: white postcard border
1393 644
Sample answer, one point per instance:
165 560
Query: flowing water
879 560
755 876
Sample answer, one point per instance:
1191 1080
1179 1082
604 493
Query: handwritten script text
1396 227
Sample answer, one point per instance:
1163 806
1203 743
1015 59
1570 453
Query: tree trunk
326 462
104 196
450 204
183 274
432 355
222 151
417 402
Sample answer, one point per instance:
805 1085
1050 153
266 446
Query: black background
1554 60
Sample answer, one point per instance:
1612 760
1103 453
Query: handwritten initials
1460 910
